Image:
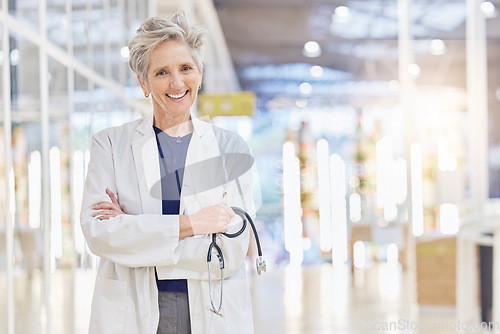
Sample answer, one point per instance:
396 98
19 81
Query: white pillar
477 150
292 210
152 8
220 67
9 170
338 210
408 91
324 199
122 66
107 44
187 6
70 105
45 140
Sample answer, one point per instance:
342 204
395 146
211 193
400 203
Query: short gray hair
155 31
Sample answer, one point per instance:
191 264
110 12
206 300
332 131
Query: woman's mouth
177 96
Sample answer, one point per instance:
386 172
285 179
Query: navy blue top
172 152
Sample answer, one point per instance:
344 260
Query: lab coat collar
146 158
146 125
203 129
147 165
201 126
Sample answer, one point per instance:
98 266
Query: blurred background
375 126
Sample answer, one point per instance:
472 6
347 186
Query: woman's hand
212 219
108 210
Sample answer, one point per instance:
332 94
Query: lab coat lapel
147 166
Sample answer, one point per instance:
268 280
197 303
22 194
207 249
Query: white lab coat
125 160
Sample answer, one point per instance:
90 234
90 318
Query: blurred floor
308 299
319 299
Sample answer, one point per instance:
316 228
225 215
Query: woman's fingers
224 214
104 206
112 197
105 214
106 217
212 219
107 209
231 213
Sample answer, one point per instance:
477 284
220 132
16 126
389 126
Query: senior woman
156 189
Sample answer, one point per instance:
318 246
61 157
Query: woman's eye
186 68
161 73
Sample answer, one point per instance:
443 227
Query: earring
199 87
146 95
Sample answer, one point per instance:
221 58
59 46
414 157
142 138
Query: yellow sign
228 104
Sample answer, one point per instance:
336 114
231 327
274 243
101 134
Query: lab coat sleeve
192 251
129 240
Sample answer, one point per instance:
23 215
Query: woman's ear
201 80
144 85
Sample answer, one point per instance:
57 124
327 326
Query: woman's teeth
176 96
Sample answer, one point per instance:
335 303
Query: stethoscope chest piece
261 265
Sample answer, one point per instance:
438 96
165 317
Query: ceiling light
305 88
488 9
301 103
414 70
14 57
316 71
437 47
342 11
342 14
124 52
312 49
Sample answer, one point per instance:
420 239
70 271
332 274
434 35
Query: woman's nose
176 81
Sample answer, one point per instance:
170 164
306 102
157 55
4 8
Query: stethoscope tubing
245 218
213 246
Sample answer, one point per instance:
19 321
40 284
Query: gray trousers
174 313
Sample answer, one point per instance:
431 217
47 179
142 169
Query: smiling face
172 80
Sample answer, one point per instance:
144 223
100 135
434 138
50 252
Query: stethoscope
244 162
261 264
